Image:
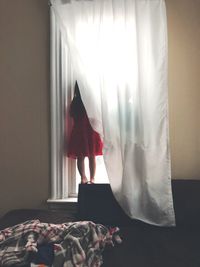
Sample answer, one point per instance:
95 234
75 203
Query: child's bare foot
84 180
92 181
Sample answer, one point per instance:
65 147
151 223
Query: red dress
84 141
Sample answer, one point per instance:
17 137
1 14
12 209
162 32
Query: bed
142 245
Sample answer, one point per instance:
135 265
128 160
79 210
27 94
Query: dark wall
24 103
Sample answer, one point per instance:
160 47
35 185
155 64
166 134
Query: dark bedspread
145 245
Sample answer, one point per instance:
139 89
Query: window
64 174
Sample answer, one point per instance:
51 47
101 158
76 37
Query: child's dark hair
77 108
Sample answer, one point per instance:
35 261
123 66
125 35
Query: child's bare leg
81 169
92 167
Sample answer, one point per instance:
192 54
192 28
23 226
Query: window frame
63 170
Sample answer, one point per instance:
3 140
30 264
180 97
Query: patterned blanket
77 244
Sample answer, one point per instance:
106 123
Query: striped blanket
77 244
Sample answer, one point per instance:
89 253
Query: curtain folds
118 50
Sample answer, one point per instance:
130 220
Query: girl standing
84 141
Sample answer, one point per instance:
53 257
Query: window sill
68 205
63 200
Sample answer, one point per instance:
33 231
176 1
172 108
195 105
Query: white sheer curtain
118 50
